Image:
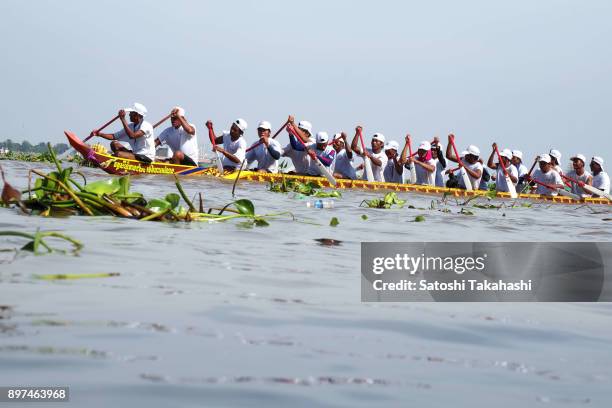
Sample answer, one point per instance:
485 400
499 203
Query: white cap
264 124
599 161
473 150
579 156
322 137
139 108
379 136
241 123
506 153
556 154
517 153
544 158
338 136
392 145
425 145
463 153
305 125
181 111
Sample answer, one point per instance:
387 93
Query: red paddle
510 185
466 179
101 128
322 169
211 136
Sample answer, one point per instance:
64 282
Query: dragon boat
119 166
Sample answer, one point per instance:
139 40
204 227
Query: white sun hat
506 153
305 125
264 124
556 154
338 136
379 136
392 145
544 158
473 150
425 145
579 156
139 108
322 137
599 161
463 153
241 123
517 153
181 111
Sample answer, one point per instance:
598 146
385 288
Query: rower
266 151
321 150
343 167
438 157
424 164
234 145
546 174
394 169
471 163
555 160
138 134
517 162
375 153
294 150
181 138
600 179
579 174
501 183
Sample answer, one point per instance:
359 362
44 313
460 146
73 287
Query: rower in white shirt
600 180
579 174
394 169
343 167
266 151
501 183
376 153
181 138
138 134
471 163
234 145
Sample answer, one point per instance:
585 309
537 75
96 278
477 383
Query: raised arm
450 154
129 132
186 126
403 157
347 148
490 163
355 143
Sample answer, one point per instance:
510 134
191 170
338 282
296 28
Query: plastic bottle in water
320 204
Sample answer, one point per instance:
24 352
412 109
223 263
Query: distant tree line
27 147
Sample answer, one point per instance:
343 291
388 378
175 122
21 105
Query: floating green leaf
334 222
419 218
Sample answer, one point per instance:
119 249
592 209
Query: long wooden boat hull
115 165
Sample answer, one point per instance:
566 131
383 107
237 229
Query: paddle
412 168
101 128
211 135
273 137
322 169
162 120
367 162
509 183
588 187
558 190
464 175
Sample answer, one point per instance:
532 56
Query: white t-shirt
550 178
576 189
313 169
500 178
378 170
300 159
262 156
144 145
390 173
558 169
439 174
179 139
344 166
235 147
423 176
522 169
475 181
602 182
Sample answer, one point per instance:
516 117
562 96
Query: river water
216 314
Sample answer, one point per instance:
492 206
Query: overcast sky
528 74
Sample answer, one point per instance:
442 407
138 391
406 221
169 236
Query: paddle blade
466 179
368 169
326 173
596 191
413 177
219 164
566 193
511 187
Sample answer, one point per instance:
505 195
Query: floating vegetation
419 218
63 276
58 193
39 245
388 201
307 189
364 217
328 242
334 222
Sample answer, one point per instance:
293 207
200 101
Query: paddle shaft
273 137
464 175
211 136
367 163
165 118
104 126
501 162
